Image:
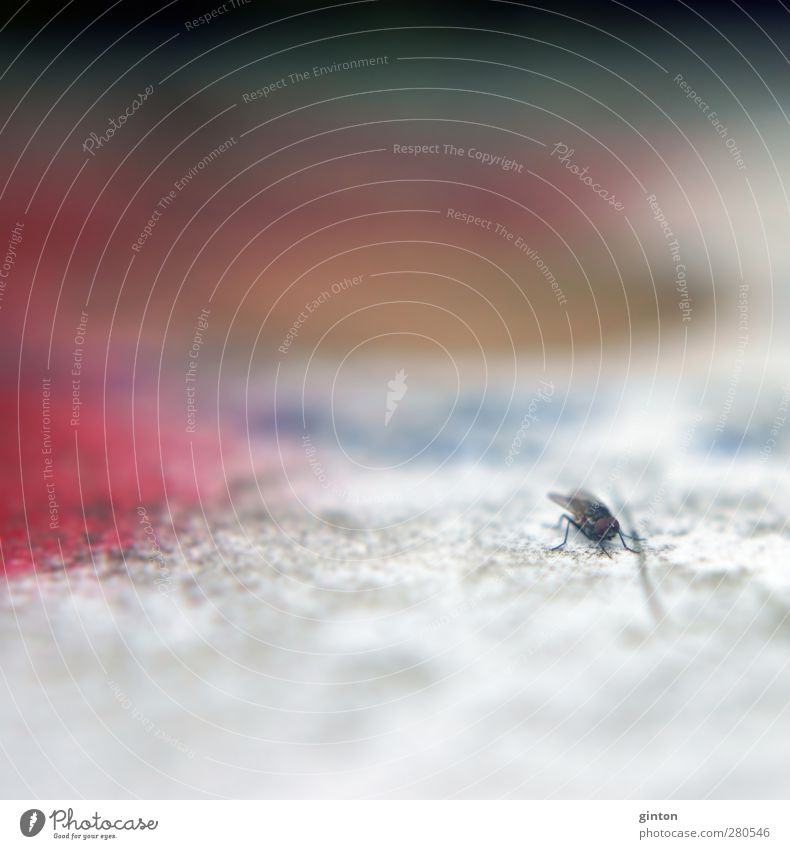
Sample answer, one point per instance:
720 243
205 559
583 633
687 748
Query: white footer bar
397 824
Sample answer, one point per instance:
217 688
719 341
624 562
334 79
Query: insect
592 518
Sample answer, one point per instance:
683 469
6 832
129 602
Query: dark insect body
591 517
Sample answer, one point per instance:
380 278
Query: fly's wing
580 503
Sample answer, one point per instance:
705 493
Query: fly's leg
604 549
634 538
570 522
622 540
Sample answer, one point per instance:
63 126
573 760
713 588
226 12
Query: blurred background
304 309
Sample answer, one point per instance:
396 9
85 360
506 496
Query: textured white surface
450 654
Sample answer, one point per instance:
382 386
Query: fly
592 518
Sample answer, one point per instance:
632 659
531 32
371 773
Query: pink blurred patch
75 488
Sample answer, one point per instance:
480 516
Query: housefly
591 517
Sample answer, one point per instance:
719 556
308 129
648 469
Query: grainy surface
286 654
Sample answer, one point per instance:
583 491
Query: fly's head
606 528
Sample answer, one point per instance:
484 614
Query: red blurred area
73 488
